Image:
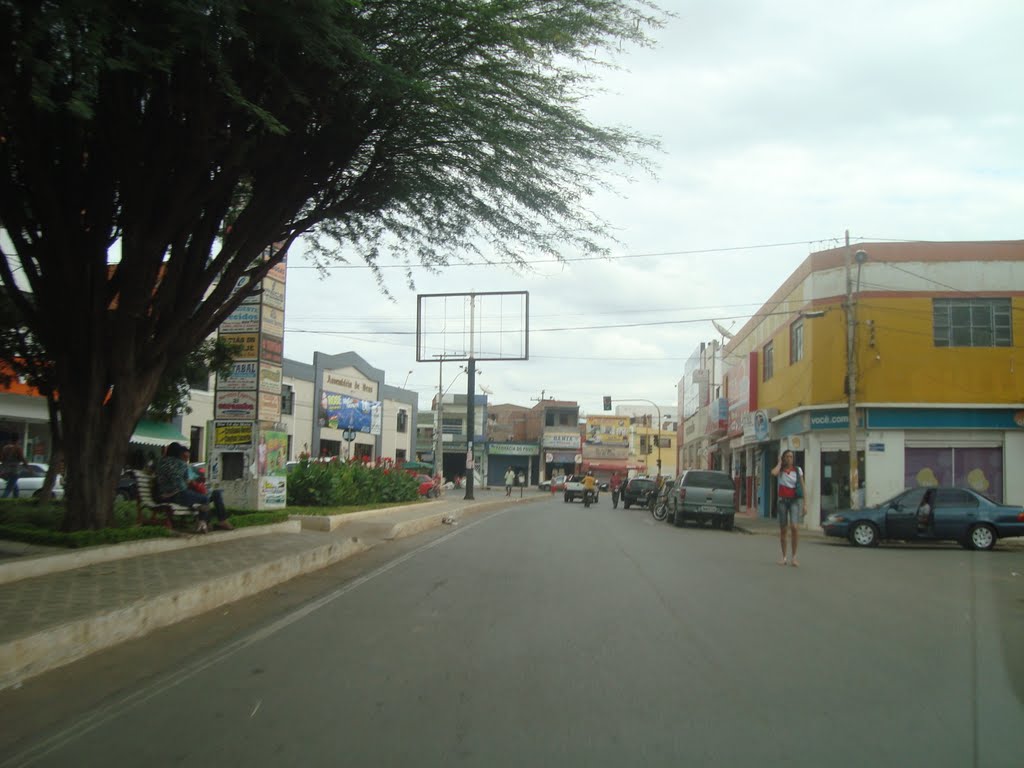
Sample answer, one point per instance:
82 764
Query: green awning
157 433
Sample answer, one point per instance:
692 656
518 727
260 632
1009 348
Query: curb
54 647
43 651
41 565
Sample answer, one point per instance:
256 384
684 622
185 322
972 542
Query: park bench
145 499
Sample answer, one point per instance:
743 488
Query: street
549 634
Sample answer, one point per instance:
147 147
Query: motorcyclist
589 485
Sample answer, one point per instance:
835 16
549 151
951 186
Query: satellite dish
486 390
726 333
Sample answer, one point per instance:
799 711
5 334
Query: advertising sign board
271 349
242 376
235 405
272 321
273 293
270 407
233 434
245 319
270 378
247 344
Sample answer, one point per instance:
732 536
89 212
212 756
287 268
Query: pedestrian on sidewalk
13 459
172 484
790 508
510 478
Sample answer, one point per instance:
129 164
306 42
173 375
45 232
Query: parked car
943 513
636 490
554 484
704 495
31 478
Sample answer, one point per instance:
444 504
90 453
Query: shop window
796 342
768 356
980 469
287 400
835 480
972 322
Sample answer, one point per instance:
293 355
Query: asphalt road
553 635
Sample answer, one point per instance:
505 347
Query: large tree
154 149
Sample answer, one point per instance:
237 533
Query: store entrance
835 481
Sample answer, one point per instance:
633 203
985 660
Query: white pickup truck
574 489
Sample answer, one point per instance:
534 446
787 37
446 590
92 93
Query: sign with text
245 319
566 440
273 293
235 405
279 270
348 384
271 349
270 379
241 377
247 345
607 430
270 407
272 321
513 449
233 434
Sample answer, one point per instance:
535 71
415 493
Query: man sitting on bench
172 485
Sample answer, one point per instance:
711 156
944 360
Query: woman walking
790 508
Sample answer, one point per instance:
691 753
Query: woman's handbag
799 484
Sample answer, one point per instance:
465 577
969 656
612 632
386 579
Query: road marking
106 714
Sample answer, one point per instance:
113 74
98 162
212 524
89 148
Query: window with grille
972 322
768 355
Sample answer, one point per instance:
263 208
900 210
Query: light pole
851 369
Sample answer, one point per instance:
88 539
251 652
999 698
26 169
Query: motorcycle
658 503
588 496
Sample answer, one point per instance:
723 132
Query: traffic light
607 402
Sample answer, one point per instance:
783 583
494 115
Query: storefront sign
833 419
233 434
245 319
272 321
605 451
241 377
513 449
876 447
347 384
270 378
247 345
567 440
270 407
273 293
235 405
271 349
272 453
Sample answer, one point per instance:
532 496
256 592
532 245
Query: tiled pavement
52 619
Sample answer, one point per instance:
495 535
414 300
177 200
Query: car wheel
727 523
864 534
716 523
982 537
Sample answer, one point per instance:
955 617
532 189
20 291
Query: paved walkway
58 606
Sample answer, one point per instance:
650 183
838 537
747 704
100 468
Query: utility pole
438 445
851 366
470 403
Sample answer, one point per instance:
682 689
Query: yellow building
939 389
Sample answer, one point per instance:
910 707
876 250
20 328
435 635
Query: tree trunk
95 444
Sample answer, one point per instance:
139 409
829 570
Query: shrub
336 484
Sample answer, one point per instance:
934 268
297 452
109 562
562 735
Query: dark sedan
930 514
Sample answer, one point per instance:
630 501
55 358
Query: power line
571 259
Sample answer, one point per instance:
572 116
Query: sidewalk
769 526
57 606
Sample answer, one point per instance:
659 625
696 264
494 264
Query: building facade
939 391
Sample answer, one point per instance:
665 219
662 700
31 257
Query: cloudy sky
783 124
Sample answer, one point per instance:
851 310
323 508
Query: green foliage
31 534
197 135
250 519
213 356
336 484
